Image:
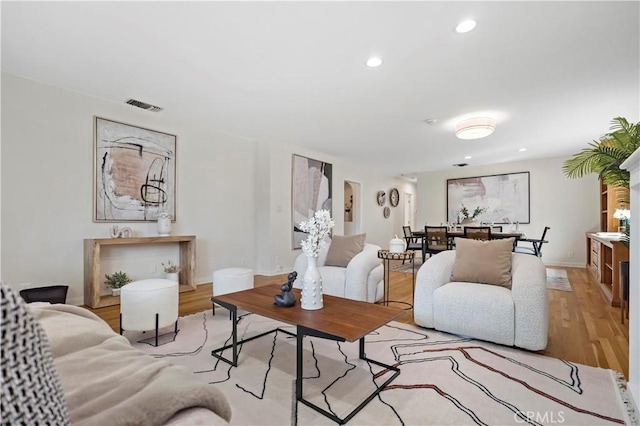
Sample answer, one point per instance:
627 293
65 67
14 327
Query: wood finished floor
582 327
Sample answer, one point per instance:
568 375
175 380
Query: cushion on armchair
486 262
343 248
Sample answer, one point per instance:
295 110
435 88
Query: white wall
277 252
233 194
568 206
633 165
47 189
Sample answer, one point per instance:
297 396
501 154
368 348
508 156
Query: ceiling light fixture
475 128
468 157
465 26
374 62
522 149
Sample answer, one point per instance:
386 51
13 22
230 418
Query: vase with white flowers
317 228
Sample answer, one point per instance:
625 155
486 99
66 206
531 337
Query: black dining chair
413 242
536 244
436 240
478 232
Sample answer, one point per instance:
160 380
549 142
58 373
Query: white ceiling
553 74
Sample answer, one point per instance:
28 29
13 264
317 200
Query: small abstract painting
502 198
311 191
135 173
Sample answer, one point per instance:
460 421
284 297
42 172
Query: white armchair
362 279
516 317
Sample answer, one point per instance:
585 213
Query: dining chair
536 244
413 242
478 232
496 228
436 240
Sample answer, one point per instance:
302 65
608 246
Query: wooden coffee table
340 320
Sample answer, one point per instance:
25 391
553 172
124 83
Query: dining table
495 235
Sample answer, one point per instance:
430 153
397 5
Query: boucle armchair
361 279
513 317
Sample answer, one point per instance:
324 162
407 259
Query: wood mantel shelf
93 277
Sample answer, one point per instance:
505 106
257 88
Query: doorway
408 209
352 208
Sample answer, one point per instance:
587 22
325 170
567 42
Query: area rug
444 379
557 279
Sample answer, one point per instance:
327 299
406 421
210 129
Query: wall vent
144 105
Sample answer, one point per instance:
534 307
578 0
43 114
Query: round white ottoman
149 305
230 280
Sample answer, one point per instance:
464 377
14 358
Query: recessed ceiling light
468 157
374 62
431 121
522 149
466 26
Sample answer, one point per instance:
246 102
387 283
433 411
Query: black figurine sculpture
287 298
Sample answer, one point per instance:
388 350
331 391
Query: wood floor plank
583 328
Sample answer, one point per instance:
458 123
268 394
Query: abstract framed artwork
134 173
311 190
505 197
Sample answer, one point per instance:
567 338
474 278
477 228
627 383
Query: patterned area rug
444 379
557 280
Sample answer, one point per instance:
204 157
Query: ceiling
552 74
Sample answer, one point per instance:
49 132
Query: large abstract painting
135 172
505 197
311 191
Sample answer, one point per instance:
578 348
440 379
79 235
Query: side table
387 256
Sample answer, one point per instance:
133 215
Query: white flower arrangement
622 214
318 228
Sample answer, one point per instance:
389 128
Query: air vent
461 164
144 105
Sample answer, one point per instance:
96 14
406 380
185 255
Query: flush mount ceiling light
466 26
475 128
374 62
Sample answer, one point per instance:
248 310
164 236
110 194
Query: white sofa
516 317
362 279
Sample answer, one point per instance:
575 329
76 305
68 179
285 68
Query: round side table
387 256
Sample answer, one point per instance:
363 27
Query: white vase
115 292
311 286
164 224
173 276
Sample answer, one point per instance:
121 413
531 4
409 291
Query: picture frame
506 198
134 173
311 190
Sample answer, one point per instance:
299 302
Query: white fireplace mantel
632 164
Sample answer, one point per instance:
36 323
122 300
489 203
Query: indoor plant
605 156
171 270
466 217
116 281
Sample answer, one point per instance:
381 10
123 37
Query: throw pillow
343 249
486 262
31 390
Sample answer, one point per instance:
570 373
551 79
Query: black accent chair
436 240
536 248
413 243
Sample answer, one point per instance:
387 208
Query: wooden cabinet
610 197
603 261
93 278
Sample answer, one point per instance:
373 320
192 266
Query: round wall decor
394 197
381 198
386 212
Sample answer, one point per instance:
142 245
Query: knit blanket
106 381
